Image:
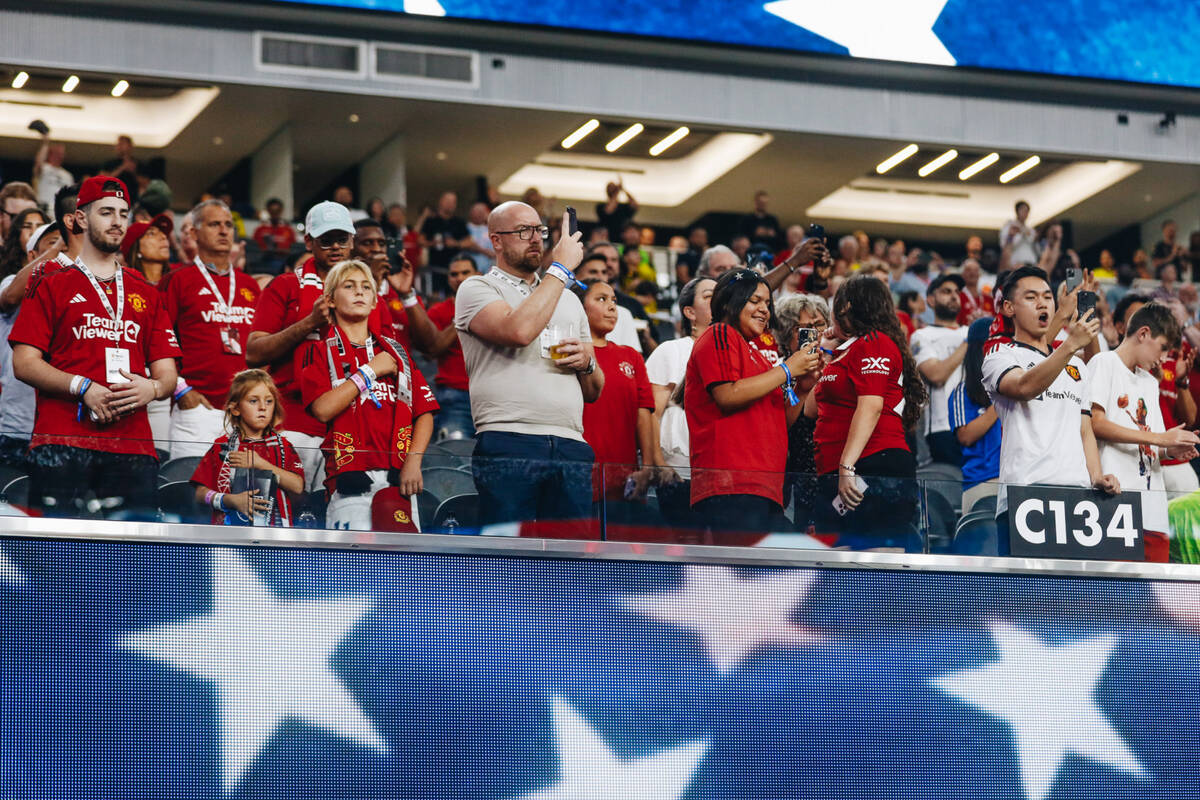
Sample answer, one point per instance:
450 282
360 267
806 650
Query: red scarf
312 286
342 360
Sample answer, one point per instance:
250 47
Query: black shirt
126 177
616 221
453 228
763 229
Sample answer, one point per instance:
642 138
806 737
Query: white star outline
589 769
268 660
734 616
892 30
1046 695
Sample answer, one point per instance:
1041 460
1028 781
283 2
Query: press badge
115 360
401 381
229 342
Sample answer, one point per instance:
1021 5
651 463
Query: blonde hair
243 382
341 269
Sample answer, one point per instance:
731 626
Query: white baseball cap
328 216
37 237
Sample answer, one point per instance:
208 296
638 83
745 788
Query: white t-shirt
675 442
935 344
1041 441
668 363
1131 400
47 183
1024 243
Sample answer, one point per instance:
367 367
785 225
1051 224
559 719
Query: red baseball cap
138 229
391 511
98 187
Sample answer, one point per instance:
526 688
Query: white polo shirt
1041 442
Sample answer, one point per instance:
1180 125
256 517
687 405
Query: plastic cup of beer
559 333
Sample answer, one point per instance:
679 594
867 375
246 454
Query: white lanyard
334 378
115 317
226 306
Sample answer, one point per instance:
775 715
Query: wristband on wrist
76 382
359 380
787 374
218 501
409 300
83 387
1183 384
848 468
563 274
208 497
180 391
368 373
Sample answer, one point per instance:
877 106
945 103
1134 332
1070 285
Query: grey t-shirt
20 400
518 390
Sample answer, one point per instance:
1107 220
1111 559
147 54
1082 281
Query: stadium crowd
777 382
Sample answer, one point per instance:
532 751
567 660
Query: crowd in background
586 366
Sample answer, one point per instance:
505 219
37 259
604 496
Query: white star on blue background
893 30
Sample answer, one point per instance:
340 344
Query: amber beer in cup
559 334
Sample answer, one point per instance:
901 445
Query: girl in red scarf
252 413
376 404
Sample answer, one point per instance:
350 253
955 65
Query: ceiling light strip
70 83
939 162
979 166
580 133
907 152
1021 169
20 79
624 137
671 139
120 88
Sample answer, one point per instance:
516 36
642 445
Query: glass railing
464 495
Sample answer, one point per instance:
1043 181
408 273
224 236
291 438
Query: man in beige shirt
528 352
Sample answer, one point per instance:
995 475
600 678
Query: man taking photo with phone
1041 396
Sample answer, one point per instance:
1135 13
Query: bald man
530 461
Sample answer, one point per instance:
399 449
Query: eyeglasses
525 232
328 240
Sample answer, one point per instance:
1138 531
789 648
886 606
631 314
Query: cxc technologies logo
97 326
876 365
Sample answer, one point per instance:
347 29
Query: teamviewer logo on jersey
877 364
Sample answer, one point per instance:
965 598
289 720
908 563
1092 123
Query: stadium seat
16 490
177 469
427 506
177 502
987 504
445 482
976 536
459 514
944 479
941 518
440 459
8 475
459 447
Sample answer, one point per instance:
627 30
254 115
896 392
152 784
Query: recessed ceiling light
939 162
1021 169
671 138
440 156
70 83
893 160
20 79
218 141
354 117
580 133
979 166
120 88
624 136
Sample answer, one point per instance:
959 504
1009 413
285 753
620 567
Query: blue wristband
788 392
370 393
186 389
83 387
565 275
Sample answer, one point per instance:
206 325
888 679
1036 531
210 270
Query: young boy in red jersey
376 405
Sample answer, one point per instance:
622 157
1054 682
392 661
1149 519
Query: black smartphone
1087 302
816 231
395 254
1074 277
572 221
805 336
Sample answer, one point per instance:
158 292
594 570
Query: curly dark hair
864 305
12 255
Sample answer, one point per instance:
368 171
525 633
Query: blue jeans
454 415
521 477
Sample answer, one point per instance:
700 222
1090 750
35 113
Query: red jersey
452 370
610 423
907 323
397 313
740 453
767 347
281 306
867 365
1168 393
277 239
971 308
66 320
363 436
212 333
213 473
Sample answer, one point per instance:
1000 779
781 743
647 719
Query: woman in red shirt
735 407
620 424
867 397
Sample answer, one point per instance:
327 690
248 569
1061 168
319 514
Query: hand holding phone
840 506
572 221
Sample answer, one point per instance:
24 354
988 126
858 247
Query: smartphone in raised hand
1087 302
1074 278
572 221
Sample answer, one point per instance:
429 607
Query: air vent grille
426 64
280 52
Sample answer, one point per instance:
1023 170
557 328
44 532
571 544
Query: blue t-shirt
981 461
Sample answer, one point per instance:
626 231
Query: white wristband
410 300
560 272
76 383
370 373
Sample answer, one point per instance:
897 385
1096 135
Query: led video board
1145 42
179 671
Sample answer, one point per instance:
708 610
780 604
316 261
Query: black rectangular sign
1064 522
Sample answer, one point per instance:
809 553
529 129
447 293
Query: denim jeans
522 477
453 419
